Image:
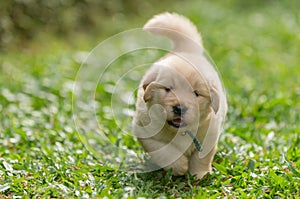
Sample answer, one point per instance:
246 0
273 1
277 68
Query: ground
256 49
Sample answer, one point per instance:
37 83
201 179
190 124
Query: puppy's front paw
200 167
179 167
200 173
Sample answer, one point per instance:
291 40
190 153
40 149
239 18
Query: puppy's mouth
177 123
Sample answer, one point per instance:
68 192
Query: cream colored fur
184 78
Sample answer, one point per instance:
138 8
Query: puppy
181 104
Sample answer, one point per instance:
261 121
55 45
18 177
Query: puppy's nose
179 109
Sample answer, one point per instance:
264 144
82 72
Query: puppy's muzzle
179 110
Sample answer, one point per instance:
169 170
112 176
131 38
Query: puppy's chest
179 140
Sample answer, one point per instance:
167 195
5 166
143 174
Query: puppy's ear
148 92
147 85
215 99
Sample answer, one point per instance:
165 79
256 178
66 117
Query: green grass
256 47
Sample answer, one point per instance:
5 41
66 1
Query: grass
256 48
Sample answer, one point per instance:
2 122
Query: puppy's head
183 92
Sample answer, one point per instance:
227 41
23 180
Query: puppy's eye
197 94
168 89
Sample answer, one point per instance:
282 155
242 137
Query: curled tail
179 29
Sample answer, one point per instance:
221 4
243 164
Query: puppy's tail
178 28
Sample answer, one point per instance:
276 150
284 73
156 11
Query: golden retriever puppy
181 103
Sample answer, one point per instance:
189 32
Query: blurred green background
24 20
237 34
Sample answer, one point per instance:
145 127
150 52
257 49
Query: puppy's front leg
166 155
179 167
200 167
